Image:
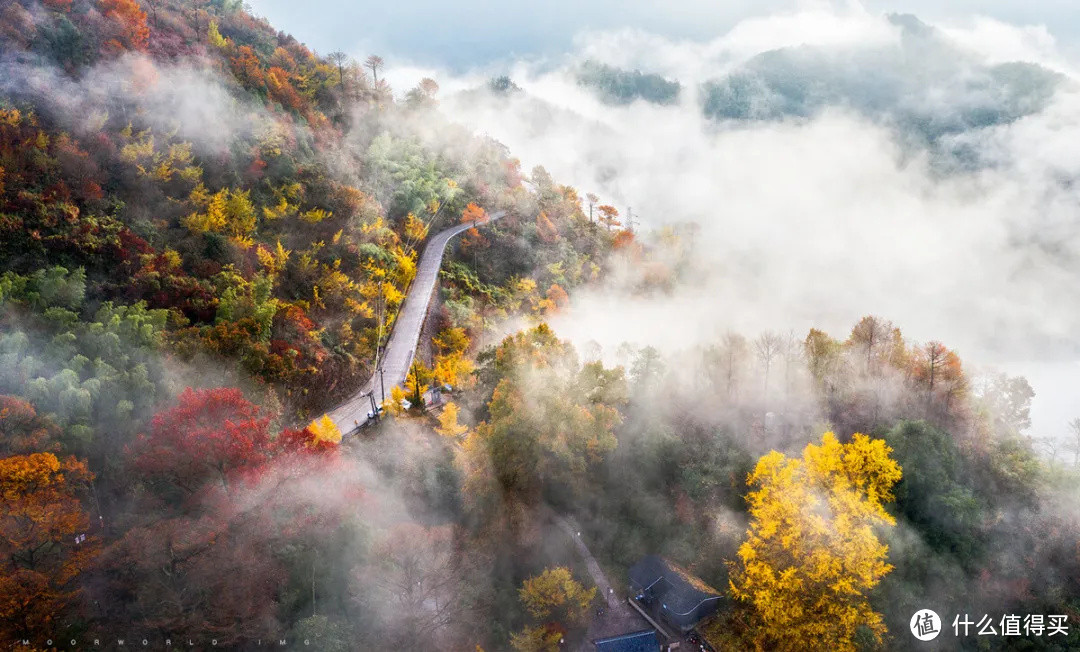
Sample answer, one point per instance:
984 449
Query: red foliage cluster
209 434
250 497
214 436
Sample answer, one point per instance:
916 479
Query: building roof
643 641
679 591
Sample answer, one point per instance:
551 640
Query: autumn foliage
209 434
22 430
40 560
448 422
543 430
129 21
473 214
609 216
138 245
812 554
556 601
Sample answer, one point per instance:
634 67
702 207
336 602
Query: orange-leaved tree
44 541
609 215
545 230
473 213
130 31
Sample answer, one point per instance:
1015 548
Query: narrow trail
398 354
570 526
617 617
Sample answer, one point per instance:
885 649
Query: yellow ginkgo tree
325 430
812 551
448 422
556 601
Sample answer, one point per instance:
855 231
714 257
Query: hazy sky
473 33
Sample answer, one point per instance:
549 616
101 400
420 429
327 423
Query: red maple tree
211 434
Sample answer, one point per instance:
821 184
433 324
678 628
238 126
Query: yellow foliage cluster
280 210
374 297
812 553
273 260
415 229
162 165
10 117
405 265
377 230
315 215
288 205
556 599
554 299
418 382
340 289
138 147
448 422
525 293
454 369
452 366
172 258
537 639
392 405
393 295
214 36
325 430
225 211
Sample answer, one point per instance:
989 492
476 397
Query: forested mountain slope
191 198
206 231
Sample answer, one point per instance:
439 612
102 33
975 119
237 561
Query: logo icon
925 625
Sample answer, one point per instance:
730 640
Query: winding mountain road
397 358
398 354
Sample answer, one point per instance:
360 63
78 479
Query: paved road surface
398 354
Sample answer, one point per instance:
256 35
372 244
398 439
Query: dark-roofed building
664 589
643 641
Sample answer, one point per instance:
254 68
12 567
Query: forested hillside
191 199
206 231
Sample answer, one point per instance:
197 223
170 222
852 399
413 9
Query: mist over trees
622 87
207 231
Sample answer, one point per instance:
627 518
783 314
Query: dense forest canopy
207 231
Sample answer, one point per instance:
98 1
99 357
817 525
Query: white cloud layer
816 221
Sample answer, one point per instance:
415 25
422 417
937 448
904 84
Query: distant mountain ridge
924 85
